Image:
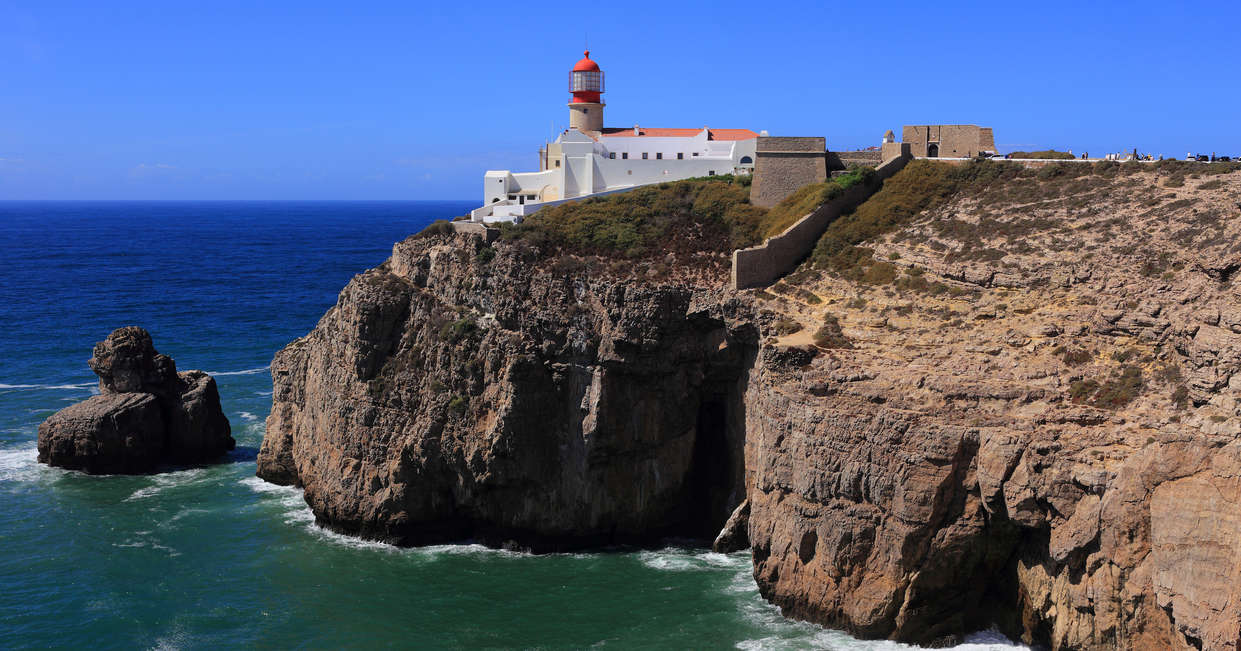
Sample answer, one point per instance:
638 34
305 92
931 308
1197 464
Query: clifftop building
590 159
947 140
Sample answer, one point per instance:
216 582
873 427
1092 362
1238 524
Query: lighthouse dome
586 64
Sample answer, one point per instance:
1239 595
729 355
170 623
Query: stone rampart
841 160
762 265
489 235
782 165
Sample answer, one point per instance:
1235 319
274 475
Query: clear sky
415 100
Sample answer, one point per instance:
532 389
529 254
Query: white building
588 159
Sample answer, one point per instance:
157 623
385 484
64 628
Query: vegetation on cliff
701 215
710 215
808 198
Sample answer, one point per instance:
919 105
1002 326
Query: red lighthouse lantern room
586 81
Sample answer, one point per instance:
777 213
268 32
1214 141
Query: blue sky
414 100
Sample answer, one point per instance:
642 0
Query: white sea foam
249 371
247 416
677 559
790 634
289 497
83 385
19 464
135 544
297 512
168 480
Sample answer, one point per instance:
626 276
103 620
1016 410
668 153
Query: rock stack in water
146 414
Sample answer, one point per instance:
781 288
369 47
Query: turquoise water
213 557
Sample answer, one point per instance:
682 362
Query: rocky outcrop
1030 420
146 414
448 396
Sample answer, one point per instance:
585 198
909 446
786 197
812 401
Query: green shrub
1213 184
1180 397
437 227
786 326
1120 390
856 304
485 255
1072 356
1081 390
830 334
458 404
457 330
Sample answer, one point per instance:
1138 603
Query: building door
932 150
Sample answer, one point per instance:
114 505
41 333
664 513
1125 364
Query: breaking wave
19 464
167 480
249 371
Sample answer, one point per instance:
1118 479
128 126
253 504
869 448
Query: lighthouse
589 159
586 107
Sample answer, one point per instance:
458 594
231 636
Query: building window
644 156
659 155
557 163
624 155
612 155
746 160
695 153
711 173
680 155
629 172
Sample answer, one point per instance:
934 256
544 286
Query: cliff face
1033 422
1026 415
450 396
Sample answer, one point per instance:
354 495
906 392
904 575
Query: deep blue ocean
213 557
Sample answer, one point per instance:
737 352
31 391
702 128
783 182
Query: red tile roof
712 134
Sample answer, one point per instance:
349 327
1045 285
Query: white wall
588 169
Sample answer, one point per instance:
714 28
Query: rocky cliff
146 414
1016 405
452 395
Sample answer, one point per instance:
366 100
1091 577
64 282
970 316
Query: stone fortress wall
782 165
842 160
947 140
762 265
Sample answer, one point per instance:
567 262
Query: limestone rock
146 414
735 534
116 433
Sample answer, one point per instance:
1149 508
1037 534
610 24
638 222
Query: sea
212 557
